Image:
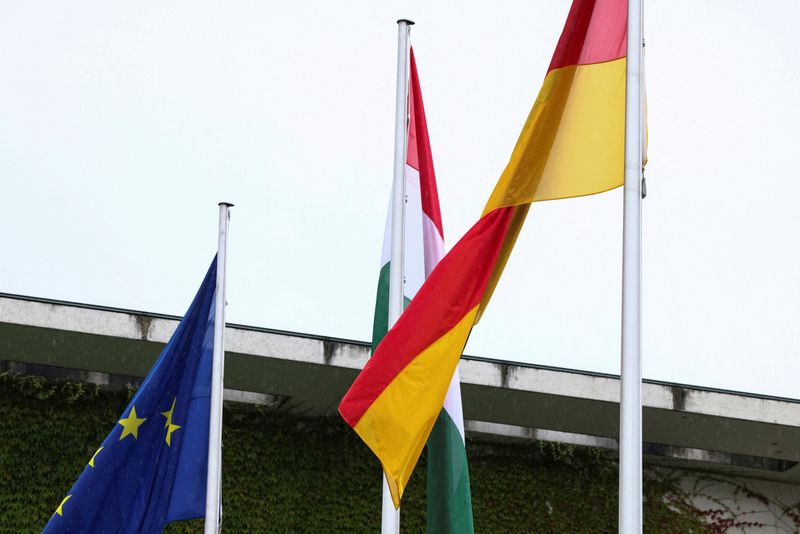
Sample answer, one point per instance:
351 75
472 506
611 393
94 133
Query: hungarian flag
449 502
572 144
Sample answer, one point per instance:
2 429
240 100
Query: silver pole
214 476
630 442
390 517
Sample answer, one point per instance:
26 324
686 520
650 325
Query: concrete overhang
305 375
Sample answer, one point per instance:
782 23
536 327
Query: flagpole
214 476
630 442
390 517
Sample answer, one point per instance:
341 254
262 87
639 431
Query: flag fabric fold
151 469
448 500
572 144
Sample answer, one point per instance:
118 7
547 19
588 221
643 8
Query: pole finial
407 21
228 204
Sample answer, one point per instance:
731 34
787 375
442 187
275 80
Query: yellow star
59 510
91 462
130 425
168 423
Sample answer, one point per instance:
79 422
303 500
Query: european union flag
151 469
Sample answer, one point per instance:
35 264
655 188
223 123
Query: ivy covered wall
287 474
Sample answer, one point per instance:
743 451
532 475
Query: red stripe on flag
595 31
419 151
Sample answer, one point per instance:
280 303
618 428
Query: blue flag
151 469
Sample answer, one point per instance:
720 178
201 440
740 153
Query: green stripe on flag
380 323
449 501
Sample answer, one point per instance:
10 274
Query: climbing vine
288 474
726 504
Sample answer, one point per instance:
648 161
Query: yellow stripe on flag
573 143
391 425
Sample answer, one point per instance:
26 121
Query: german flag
572 145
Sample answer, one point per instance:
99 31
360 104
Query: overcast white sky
123 124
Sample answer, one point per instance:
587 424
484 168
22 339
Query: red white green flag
449 503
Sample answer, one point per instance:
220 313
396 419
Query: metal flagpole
214 476
630 442
390 517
